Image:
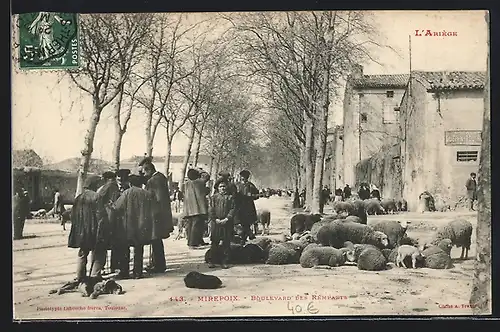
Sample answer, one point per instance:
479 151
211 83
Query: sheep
236 255
395 230
355 250
405 251
346 208
336 233
286 253
253 254
372 259
201 281
359 210
264 217
389 205
354 219
311 246
459 231
390 254
316 256
408 240
373 207
317 226
303 222
437 256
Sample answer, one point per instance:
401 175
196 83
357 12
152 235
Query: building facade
370 117
441 118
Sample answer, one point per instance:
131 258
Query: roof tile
451 80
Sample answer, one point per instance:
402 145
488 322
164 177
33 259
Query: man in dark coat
21 208
364 191
245 205
157 184
471 186
347 192
195 206
90 231
133 223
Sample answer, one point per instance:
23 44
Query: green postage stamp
48 40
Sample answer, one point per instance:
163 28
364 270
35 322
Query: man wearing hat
245 205
122 179
195 206
225 177
157 184
90 229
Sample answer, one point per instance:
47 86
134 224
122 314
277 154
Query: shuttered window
467 156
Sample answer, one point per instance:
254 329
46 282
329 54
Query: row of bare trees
299 60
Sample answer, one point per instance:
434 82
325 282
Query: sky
50 115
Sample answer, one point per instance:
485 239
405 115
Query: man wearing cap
245 205
157 184
90 231
133 217
195 206
225 177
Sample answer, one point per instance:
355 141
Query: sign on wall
462 137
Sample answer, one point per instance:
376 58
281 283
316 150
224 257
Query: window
390 94
467 156
390 112
364 117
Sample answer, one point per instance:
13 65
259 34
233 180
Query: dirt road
44 262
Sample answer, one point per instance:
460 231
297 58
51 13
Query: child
221 212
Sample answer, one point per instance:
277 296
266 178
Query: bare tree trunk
188 153
309 162
87 149
480 299
151 128
320 146
118 131
168 154
198 145
211 168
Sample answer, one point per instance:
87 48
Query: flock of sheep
344 238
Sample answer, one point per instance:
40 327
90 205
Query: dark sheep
336 233
253 254
317 226
359 210
395 230
236 255
459 231
302 222
316 256
390 254
201 281
372 259
389 205
373 207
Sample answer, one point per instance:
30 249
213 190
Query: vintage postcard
251 164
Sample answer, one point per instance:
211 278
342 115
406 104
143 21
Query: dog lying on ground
201 281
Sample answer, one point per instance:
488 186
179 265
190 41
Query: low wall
383 170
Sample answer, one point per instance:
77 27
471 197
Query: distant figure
375 192
364 191
338 195
296 199
302 197
59 207
177 197
471 186
20 207
347 191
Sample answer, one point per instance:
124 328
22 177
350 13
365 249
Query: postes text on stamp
48 40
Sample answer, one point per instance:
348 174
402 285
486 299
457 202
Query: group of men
128 210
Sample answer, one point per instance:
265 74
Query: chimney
357 71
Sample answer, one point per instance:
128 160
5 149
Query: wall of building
429 164
339 160
379 124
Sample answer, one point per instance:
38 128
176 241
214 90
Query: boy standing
221 214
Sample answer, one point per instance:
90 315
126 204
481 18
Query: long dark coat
109 193
220 207
162 226
89 222
245 206
195 198
133 217
471 186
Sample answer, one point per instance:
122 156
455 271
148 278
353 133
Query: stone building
440 127
370 117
